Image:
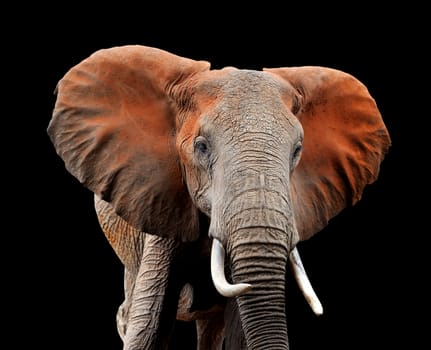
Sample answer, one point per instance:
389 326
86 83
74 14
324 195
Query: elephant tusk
217 273
303 282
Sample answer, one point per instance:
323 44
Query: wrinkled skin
257 160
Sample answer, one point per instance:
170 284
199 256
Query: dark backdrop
69 281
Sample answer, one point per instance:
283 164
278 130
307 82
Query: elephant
205 181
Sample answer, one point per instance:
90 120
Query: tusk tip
245 287
317 309
235 290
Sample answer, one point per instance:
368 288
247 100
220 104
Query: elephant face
268 156
231 122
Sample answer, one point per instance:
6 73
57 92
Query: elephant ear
114 125
345 141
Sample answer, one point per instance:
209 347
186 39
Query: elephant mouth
232 290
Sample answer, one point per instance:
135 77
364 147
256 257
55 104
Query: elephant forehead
241 84
247 101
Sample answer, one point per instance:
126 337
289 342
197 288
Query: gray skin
153 256
252 216
244 187
180 156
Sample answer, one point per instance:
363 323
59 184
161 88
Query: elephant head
267 157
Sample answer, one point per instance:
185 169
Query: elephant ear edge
345 141
114 125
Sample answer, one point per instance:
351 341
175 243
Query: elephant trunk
254 222
263 265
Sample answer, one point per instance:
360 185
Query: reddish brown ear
345 140
114 126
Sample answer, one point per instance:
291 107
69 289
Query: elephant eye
201 145
296 153
202 152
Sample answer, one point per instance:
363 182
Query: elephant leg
209 322
147 328
210 332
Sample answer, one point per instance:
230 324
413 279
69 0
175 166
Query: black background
66 282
